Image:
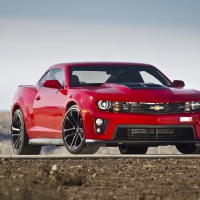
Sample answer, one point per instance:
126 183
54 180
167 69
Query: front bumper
115 120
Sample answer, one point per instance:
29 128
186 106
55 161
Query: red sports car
87 105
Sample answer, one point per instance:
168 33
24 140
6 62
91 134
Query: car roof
82 64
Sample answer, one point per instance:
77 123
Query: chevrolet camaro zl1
84 106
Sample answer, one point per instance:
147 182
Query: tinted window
97 75
43 79
57 74
149 78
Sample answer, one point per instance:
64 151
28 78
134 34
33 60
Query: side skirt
46 142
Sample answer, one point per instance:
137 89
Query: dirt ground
100 178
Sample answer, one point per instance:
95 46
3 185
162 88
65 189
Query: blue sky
181 13
37 34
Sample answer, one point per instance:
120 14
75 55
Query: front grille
151 108
173 134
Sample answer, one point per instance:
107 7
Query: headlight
187 106
109 105
190 106
104 105
116 106
195 105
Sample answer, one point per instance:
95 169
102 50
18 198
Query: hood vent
144 86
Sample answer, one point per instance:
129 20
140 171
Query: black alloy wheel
133 149
19 138
188 148
73 133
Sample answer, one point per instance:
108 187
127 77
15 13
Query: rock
54 168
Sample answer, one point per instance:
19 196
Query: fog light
100 125
99 122
98 130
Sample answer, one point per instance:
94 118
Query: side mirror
52 84
178 84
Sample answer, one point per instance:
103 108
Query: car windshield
124 75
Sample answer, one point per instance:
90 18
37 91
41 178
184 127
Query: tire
73 133
188 149
19 138
133 149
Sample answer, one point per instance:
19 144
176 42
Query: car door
45 107
61 99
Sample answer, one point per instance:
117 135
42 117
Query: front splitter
138 142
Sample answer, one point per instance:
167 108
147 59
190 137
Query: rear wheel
19 138
73 133
188 149
133 149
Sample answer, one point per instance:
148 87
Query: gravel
109 178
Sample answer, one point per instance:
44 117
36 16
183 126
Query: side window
57 74
43 79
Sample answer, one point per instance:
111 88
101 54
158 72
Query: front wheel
188 149
133 149
73 133
19 138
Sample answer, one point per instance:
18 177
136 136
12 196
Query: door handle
38 98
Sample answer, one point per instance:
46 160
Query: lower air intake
171 133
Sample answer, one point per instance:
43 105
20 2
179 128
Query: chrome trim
157 107
91 141
46 142
15 129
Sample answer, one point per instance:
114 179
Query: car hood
116 92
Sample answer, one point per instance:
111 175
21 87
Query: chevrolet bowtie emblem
156 107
